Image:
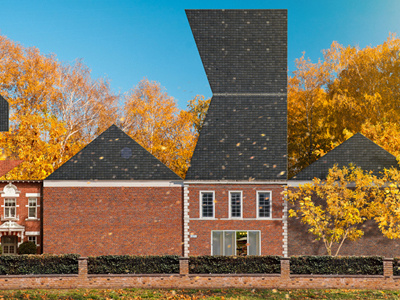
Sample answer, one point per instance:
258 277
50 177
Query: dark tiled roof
242 137
4 111
113 155
242 50
245 131
357 150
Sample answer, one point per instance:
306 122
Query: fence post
285 268
388 267
183 265
82 267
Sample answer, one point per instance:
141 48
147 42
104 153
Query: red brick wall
271 230
22 210
113 220
373 242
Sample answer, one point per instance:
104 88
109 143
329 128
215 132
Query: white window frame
36 208
201 204
241 205
223 240
34 237
258 205
15 206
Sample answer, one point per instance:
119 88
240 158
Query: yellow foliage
335 208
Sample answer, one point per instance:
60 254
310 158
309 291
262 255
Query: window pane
230 242
264 205
236 205
32 239
216 243
32 212
254 243
207 204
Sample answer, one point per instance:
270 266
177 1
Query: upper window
264 204
207 204
10 207
235 204
32 207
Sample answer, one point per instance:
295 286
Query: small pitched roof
357 150
113 155
4 114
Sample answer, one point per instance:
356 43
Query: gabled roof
244 136
357 150
113 155
4 114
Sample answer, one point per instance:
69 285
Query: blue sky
126 41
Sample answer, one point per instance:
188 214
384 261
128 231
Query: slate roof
244 53
357 150
4 114
113 155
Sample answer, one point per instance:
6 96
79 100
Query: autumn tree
386 206
198 107
152 118
55 109
335 208
350 90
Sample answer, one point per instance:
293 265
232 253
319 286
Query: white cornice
296 183
236 182
113 183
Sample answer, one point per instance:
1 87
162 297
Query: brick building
20 214
113 197
359 151
233 203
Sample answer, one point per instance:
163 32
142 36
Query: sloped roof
4 114
113 155
242 50
244 136
357 150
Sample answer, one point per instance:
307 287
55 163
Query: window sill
9 218
32 219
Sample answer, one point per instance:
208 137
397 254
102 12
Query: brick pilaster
82 267
388 267
285 268
183 265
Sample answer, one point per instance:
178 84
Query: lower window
227 242
32 239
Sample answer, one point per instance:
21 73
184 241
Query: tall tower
240 162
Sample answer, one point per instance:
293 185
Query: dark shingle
357 150
4 114
113 155
245 132
242 50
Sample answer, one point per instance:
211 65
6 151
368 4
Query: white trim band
32 194
296 183
112 183
238 182
32 233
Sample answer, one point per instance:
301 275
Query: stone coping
38 275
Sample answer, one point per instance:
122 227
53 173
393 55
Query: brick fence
285 280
